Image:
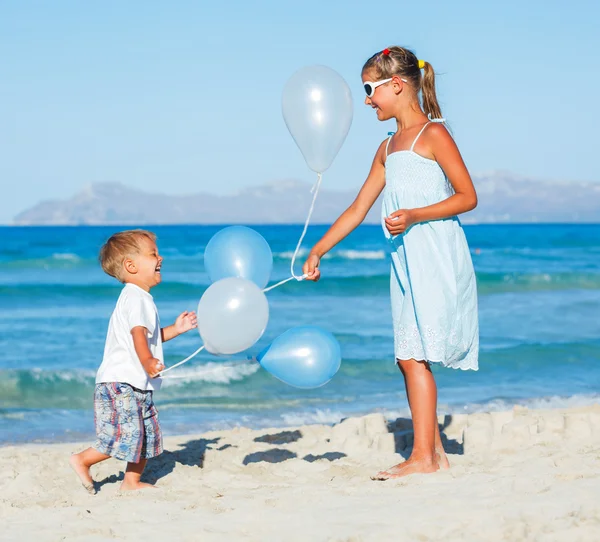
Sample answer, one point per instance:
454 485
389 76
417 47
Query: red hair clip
386 51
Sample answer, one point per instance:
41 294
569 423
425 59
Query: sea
539 309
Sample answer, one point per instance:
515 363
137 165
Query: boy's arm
185 321
150 364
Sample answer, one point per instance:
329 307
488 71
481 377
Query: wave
361 254
69 389
488 283
349 254
72 388
516 282
70 260
502 404
81 292
537 356
333 416
318 416
350 286
58 260
211 372
68 256
497 404
229 384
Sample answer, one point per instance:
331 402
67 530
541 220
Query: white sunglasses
370 86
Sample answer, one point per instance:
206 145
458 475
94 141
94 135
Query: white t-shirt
135 307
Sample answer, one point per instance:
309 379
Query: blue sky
182 97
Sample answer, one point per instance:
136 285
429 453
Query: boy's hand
185 321
153 367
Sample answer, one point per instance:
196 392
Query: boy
126 419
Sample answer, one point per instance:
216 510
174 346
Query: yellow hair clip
421 64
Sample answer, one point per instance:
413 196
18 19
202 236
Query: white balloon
232 315
317 109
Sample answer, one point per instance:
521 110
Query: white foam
70 375
212 372
362 254
67 256
331 417
342 254
542 403
288 254
325 417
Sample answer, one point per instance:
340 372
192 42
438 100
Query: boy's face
143 269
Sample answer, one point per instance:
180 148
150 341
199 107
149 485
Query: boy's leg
103 416
151 441
81 464
133 475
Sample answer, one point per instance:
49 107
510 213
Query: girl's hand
399 221
185 321
311 268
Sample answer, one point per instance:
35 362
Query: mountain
507 198
502 198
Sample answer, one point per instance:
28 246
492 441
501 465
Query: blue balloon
303 357
238 251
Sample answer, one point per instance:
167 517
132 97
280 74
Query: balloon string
315 191
283 282
182 362
278 284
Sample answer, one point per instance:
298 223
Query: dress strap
418 136
388 145
442 121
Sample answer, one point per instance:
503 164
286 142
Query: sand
518 475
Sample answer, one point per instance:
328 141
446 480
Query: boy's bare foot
83 472
133 486
410 466
442 459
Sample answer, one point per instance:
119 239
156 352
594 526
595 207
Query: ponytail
430 103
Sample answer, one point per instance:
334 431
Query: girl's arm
445 152
352 217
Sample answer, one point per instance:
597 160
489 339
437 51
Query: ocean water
539 288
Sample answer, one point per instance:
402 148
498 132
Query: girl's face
385 97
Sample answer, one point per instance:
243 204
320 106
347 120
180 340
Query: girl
433 290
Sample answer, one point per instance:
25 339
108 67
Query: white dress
433 288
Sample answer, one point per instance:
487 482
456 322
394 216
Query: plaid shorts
126 420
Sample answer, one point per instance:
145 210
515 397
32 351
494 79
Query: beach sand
518 475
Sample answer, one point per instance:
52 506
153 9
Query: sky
184 97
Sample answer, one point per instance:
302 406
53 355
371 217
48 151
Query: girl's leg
132 476
81 464
422 399
441 457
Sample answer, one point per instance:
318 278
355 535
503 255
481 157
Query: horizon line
277 224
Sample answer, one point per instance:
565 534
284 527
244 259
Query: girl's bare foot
442 459
83 472
129 485
410 466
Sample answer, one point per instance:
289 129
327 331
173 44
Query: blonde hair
118 247
402 62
